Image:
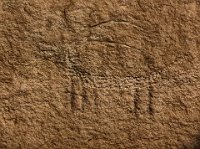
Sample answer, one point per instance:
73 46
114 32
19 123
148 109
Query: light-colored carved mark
136 101
143 99
76 90
81 97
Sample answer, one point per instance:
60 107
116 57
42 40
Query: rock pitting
99 74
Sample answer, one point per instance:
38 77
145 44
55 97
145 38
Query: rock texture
100 74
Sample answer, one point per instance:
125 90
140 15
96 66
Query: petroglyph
99 74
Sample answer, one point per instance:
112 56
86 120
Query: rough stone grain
100 74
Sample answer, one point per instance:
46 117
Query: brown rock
99 74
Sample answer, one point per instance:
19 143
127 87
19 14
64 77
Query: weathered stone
99 74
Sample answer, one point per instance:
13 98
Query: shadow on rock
195 144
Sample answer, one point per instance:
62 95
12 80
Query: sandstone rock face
100 74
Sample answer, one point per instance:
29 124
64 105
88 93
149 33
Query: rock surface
101 74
